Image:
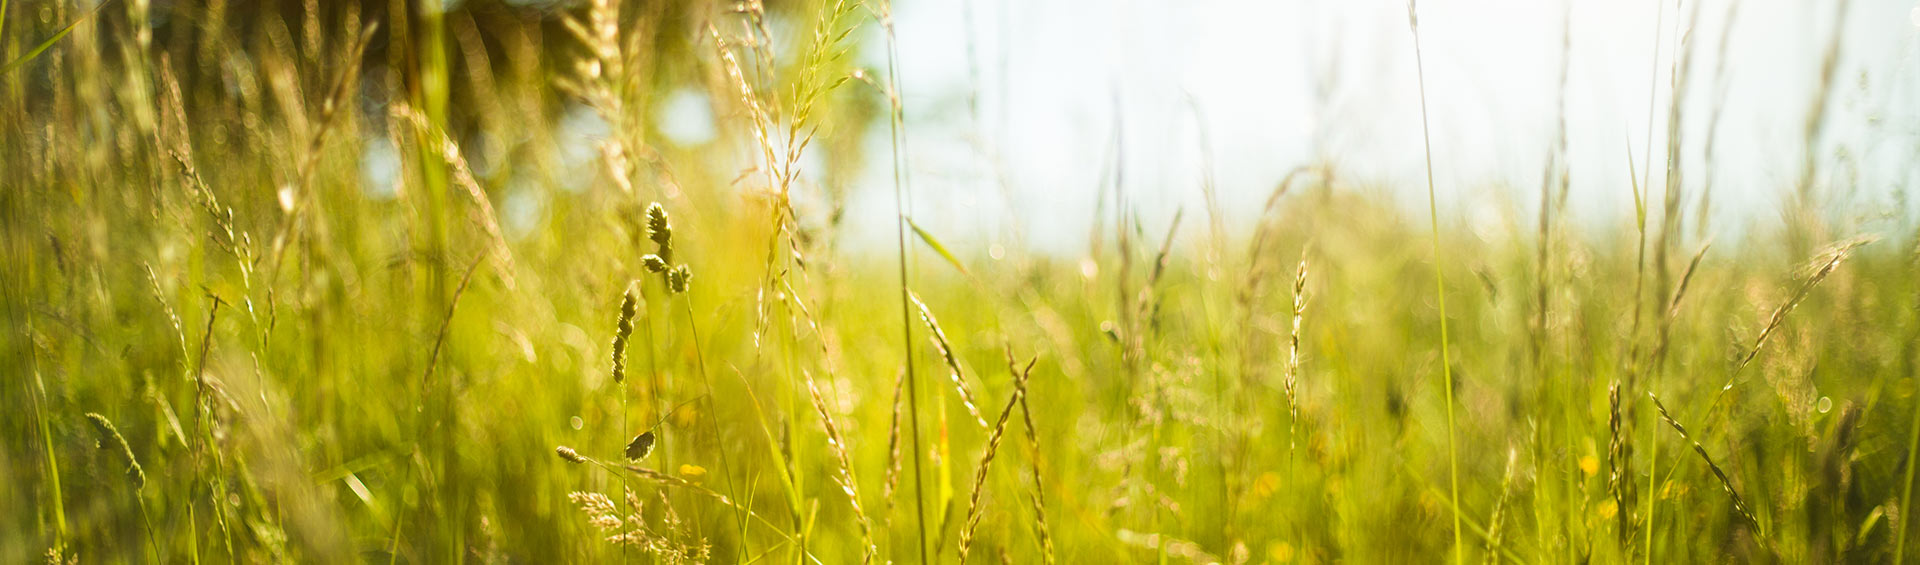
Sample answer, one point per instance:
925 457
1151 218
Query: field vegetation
352 282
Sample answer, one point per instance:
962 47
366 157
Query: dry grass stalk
483 213
757 113
1679 76
845 476
1739 504
601 36
179 332
1038 495
301 197
1823 264
954 373
1149 299
571 455
1816 117
1672 312
1555 170
986 460
440 337
1267 230
1619 473
893 443
1499 509
672 543
225 236
1293 350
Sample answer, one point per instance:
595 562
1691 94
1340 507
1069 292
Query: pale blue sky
1050 79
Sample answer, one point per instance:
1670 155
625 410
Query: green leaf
937 247
44 45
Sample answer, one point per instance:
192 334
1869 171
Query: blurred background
1027 109
1022 117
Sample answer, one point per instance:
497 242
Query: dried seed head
678 278
654 263
569 454
623 329
110 438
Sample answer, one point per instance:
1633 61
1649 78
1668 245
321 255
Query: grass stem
1439 288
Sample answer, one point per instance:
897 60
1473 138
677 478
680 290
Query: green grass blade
1440 290
1906 489
934 243
44 45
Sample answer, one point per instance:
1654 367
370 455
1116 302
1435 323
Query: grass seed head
660 230
623 329
110 438
678 278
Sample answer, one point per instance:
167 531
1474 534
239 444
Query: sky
1017 109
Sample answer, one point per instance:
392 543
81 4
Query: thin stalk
152 544
1653 486
1906 489
796 478
1906 484
619 438
1653 86
46 440
897 132
1439 287
658 392
713 421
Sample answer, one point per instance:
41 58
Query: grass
1439 289
355 287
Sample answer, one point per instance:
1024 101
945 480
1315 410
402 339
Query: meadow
329 282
